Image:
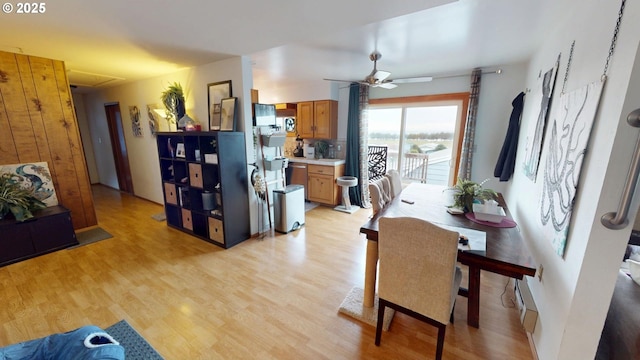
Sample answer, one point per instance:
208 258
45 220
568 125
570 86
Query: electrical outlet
539 272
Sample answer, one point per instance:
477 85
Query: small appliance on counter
299 150
309 151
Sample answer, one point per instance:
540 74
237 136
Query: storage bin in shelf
276 164
274 140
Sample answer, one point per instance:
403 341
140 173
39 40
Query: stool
346 182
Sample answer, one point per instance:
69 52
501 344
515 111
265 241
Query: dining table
505 253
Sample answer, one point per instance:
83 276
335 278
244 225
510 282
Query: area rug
352 306
135 346
91 236
159 217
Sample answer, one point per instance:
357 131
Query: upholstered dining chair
380 192
417 272
396 182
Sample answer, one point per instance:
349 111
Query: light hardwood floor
271 298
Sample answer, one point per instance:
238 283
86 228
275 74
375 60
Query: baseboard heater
528 310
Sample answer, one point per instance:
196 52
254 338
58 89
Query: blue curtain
352 161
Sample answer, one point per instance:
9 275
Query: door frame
119 147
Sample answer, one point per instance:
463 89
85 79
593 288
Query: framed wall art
228 113
217 91
136 126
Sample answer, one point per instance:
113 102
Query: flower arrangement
467 191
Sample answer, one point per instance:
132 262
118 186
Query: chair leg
453 309
381 306
441 330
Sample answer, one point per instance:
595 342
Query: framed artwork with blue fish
36 176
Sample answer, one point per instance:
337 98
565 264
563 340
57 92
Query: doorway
119 147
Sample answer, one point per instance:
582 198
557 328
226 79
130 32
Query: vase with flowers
465 192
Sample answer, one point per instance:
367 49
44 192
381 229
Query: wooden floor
271 298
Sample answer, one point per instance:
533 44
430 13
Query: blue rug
135 346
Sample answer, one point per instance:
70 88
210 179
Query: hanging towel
507 159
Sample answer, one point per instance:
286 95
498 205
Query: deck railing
415 166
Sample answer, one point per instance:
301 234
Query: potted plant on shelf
173 100
16 199
465 192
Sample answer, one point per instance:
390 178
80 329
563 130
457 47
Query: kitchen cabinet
317 119
322 186
204 177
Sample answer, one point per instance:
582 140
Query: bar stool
346 182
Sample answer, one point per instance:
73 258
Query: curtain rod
498 71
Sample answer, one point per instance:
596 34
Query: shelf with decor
201 172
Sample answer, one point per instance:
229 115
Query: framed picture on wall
217 91
228 113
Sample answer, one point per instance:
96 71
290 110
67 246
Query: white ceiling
287 40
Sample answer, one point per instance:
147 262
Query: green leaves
16 199
466 191
173 98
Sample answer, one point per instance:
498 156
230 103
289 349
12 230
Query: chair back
380 192
417 266
396 182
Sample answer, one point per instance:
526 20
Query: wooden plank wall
38 123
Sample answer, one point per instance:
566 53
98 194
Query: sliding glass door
422 138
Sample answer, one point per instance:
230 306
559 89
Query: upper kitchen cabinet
317 119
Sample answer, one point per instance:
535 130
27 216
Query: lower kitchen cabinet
322 187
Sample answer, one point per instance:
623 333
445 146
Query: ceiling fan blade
413 80
380 75
349 81
386 85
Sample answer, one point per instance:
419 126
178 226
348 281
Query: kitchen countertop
328 162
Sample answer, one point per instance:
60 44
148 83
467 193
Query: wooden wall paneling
8 152
37 111
37 121
17 111
57 127
75 142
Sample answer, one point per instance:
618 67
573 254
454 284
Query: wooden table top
506 252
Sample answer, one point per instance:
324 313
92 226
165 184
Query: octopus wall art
567 138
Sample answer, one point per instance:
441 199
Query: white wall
85 135
574 293
143 154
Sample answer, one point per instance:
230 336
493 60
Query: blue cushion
87 342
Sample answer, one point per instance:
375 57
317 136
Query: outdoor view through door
427 131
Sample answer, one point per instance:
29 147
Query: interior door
119 147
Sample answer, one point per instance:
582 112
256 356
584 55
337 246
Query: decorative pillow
634 269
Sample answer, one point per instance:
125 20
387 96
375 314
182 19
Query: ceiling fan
380 78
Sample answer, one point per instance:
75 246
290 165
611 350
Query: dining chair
396 182
380 192
417 272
